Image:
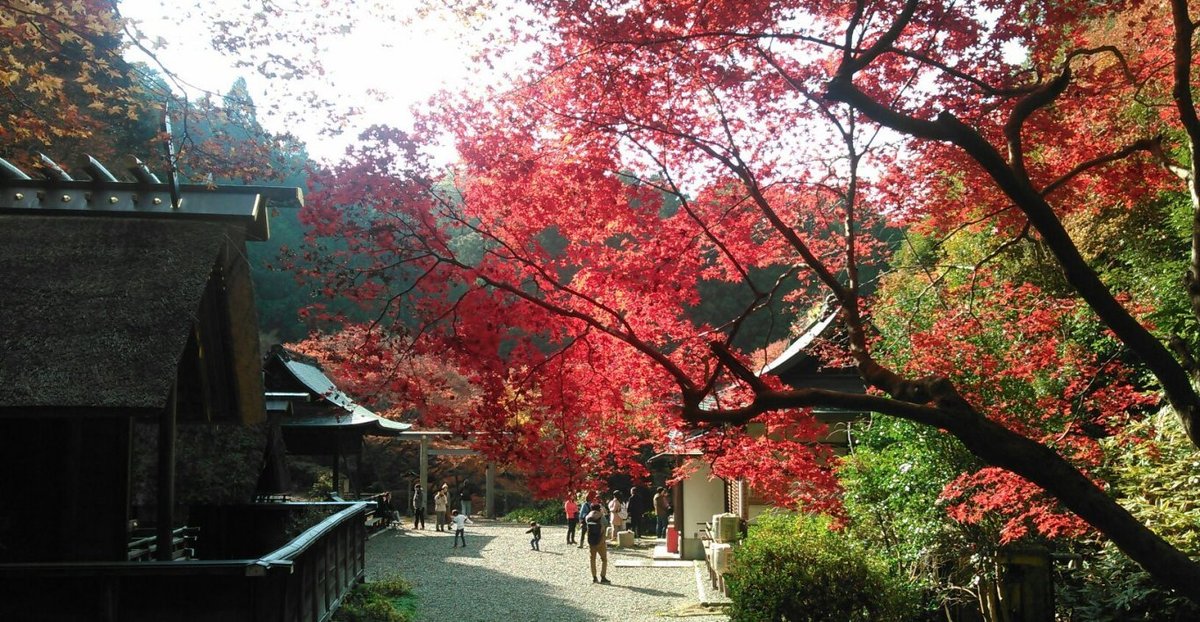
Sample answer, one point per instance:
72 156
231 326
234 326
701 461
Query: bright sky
401 67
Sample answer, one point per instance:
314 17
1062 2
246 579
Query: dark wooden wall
66 488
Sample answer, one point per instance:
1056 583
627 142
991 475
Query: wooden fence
302 581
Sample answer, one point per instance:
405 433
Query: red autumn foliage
655 144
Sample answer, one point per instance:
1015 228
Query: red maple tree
656 145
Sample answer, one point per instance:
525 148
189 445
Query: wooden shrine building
318 419
130 300
701 495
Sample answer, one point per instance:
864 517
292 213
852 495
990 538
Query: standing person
584 508
662 507
441 500
418 504
636 507
536 530
594 527
571 509
601 501
617 514
464 497
460 522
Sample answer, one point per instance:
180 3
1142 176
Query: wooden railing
143 544
303 581
327 561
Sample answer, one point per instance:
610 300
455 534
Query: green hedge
545 513
794 567
385 600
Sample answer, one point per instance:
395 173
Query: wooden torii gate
424 436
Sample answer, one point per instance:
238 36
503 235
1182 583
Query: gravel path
497 578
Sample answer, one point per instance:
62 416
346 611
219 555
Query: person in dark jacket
584 507
418 506
636 508
465 490
536 539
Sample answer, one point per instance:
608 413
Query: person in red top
572 510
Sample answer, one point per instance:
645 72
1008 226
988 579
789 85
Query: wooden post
1026 584
423 459
356 478
166 480
337 475
489 491
677 511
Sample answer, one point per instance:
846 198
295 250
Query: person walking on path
636 507
594 526
441 499
661 509
418 504
536 530
460 522
571 509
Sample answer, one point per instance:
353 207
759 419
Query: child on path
536 530
460 522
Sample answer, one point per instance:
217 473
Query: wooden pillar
423 459
356 477
337 473
166 480
489 491
73 503
677 509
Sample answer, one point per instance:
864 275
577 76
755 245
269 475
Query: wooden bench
376 518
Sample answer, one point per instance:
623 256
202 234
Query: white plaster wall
702 498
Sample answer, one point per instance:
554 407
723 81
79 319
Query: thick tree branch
852 64
1025 107
1001 447
1151 145
735 367
1175 380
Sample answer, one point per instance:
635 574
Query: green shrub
385 600
1153 470
545 513
793 567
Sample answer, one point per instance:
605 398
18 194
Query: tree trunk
1039 464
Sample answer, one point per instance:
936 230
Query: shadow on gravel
644 590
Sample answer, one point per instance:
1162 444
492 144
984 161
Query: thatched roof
96 312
